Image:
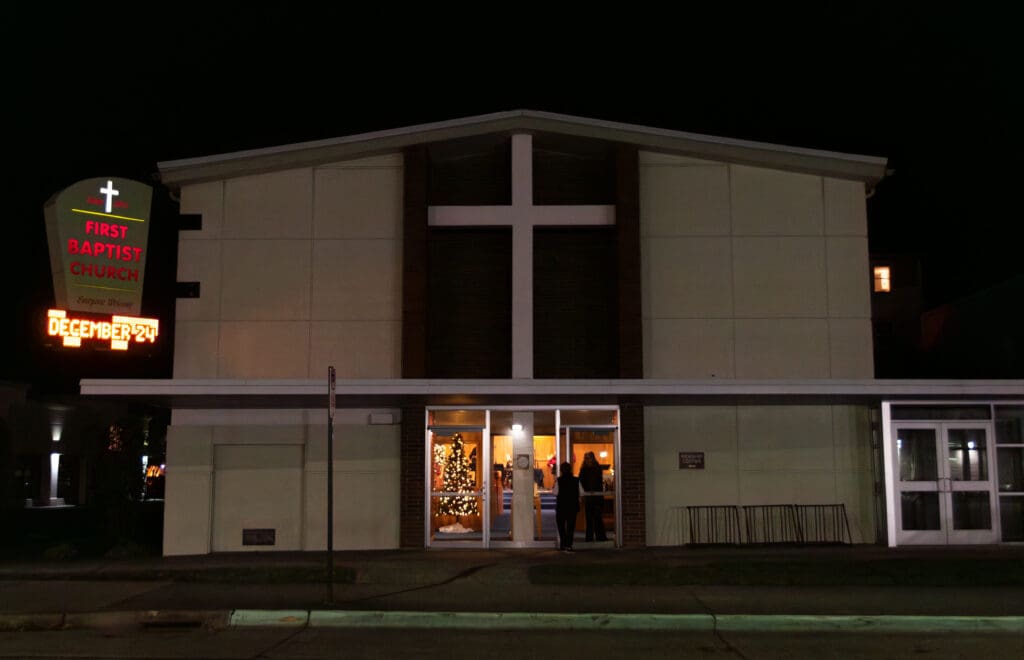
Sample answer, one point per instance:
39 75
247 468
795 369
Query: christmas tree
456 479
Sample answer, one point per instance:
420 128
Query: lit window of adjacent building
882 282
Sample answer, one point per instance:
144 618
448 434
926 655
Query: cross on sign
110 194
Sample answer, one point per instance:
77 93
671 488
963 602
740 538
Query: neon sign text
120 331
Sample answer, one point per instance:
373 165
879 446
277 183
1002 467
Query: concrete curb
602 621
212 619
768 623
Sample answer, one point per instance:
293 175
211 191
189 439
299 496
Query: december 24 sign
97 231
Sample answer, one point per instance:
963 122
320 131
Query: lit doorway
491 474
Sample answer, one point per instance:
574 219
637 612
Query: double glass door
944 483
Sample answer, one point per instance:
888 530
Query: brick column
412 474
633 484
627 229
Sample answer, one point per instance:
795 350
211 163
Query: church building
504 293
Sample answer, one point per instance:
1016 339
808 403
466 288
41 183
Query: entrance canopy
208 393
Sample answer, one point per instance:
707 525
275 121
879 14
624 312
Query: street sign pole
330 487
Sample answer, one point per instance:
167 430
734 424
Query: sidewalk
836 586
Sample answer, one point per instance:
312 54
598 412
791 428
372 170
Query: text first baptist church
503 293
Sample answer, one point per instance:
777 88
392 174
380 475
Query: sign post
330 486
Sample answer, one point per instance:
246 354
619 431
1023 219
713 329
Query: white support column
522 503
889 475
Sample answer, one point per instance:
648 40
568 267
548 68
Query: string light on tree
456 479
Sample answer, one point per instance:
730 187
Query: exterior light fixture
517 428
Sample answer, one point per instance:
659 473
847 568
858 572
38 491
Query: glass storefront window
920 511
917 455
589 418
1011 514
491 474
1011 469
1009 425
457 418
968 455
971 510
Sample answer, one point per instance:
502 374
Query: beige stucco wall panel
357 349
849 275
780 438
266 280
357 280
200 261
668 431
854 490
196 344
850 348
787 487
367 488
782 348
257 434
188 488
775 203
688 277
358 202
684 201
779 277
689 348
845 208
275 205
264 349
257 487
206 199
851 428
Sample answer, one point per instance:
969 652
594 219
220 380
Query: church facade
503 294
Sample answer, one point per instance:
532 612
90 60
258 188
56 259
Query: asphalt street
446 644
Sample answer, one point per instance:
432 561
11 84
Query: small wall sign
691 460
259 536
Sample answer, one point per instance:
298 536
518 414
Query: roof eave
868 169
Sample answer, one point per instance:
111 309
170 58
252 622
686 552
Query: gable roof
869 169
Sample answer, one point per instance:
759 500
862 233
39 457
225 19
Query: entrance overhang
227 394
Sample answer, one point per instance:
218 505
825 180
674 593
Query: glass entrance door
592 452
944 488
457 511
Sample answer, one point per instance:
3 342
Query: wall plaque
691 460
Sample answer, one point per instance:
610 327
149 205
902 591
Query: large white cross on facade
523 216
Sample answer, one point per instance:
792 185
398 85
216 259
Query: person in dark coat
567 505
593 500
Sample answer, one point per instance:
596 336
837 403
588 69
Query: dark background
103 91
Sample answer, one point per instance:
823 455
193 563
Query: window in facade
883 283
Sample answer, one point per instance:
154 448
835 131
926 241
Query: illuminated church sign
119 331
97 230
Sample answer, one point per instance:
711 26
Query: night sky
98 93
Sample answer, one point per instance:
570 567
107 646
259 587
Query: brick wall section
412 476
632 488
414 263
627 226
